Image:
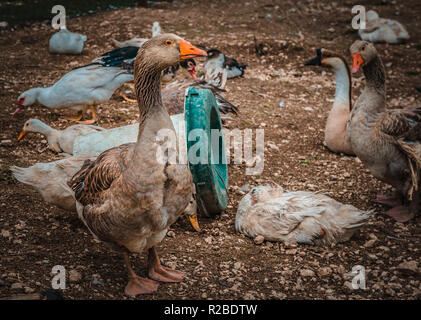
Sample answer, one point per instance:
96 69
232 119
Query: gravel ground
220 264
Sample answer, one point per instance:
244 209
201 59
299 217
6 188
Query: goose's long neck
343 85
148 92
153 116
374 93
375 75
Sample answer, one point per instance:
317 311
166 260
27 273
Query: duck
66 42
382 30
50 179
216 58
126 197
335 128
80 89
387 141
296 217
61 141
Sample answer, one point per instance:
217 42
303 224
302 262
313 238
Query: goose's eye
169 42
362 48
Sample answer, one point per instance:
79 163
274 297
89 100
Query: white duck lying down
382 30
296 217
216 59
66 42
58 140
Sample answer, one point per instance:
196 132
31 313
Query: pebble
259 239
171 234
325 271
16 285
408 267
307 273
74 275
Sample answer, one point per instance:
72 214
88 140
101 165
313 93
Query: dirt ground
220 263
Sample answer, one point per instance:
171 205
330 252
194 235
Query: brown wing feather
405 126
97 176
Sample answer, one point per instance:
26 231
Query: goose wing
97 176
404 125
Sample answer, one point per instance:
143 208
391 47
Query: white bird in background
58 140
382 30
67 42
296 217
136 41
216 59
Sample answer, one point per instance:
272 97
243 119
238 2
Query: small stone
237 265
348 285
3 24
204 295
16 285
370 243
325 271
307 273
74 276
2 283
410 267
171 234
6 141
208 240
259 239
245 187
5 233
29 290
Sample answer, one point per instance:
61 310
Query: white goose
58 140
296 217
335 128
382 30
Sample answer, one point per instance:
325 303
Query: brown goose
126 197
336 121
388 142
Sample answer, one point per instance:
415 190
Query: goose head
27 98
32 125
168 49
362 52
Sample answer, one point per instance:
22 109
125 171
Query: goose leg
77 118
123 95
90 121
160 273
400 213
137 285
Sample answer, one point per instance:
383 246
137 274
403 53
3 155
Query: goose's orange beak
22 134
188 51
357 61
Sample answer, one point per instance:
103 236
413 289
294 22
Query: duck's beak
22 134
357 61
19 108
194 222
188 51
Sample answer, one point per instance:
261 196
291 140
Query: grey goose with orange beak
127 197
387 141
